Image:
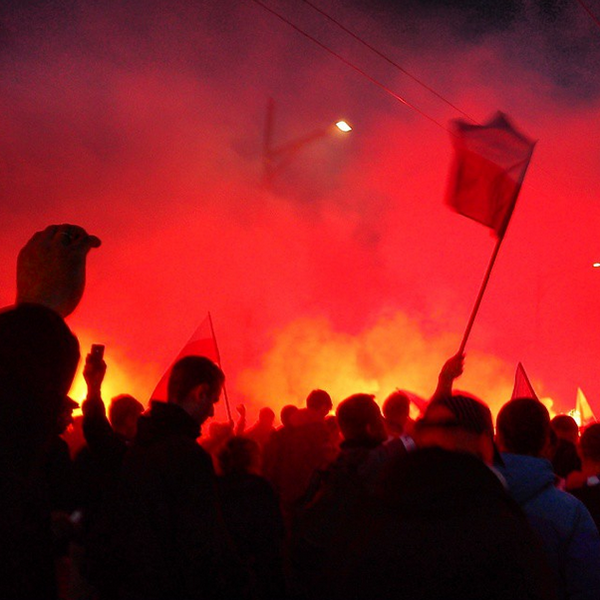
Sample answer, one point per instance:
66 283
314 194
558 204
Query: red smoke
144 124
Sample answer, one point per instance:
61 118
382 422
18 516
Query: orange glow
123 375
394 352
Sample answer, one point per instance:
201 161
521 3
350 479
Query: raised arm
452 369
51 267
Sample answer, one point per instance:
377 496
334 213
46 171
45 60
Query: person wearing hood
563 523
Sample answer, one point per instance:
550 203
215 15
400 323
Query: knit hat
467 413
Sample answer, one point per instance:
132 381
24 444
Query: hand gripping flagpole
212 331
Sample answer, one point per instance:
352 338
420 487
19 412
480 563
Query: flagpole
212 331
480 295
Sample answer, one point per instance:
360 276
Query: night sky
143 121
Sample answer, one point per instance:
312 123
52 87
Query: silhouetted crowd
361 504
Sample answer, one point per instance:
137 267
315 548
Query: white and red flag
489 165
202 343
584 410
522 387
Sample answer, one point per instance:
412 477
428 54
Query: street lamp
277 158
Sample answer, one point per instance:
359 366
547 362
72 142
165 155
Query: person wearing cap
563 523
444 525
459 422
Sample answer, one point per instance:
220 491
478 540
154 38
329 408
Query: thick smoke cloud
144 123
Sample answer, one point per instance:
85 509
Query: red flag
523 387
202 343
490 162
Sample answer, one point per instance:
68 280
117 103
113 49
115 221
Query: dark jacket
444 527
168 538
38 358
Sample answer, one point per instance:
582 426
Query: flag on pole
202 343
489 165
522 387
584 410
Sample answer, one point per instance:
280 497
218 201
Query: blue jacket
564 524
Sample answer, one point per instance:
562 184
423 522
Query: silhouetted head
195 384
239 455
38 359
319 401
566 428
266 416
590 443
460 422
360 420
123 415
523 427
286 414
395 410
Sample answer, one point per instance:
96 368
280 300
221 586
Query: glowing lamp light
596 265
343 126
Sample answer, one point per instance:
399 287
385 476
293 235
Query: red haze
144 124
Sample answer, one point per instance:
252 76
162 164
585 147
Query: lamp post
276 158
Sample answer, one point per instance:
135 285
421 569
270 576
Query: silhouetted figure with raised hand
261 431
98 463
38 358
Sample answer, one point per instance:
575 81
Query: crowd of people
359 502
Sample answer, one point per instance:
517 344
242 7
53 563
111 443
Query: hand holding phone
95 369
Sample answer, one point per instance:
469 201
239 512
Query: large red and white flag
202 343
489 165
522 387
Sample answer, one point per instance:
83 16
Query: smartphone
97 352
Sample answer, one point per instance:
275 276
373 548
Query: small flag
202 343
523 387
489 165
584 410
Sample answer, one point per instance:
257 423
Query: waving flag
490 162
523 387
202 343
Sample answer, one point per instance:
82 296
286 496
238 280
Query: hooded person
569 535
